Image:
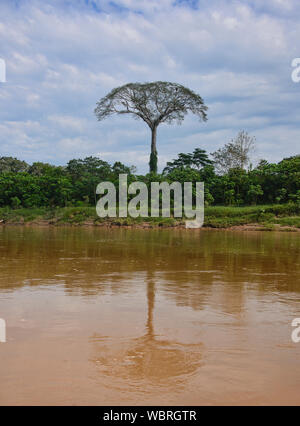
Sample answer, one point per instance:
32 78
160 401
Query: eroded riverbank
265 218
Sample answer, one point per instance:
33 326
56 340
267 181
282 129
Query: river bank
284 217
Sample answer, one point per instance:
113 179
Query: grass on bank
284 215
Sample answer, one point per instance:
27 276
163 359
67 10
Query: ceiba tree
154 103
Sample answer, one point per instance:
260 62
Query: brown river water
142 317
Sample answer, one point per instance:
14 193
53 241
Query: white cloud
68 122
63 56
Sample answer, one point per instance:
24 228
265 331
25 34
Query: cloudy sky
62 56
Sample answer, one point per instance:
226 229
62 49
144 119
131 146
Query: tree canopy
11 164
75 184
195 160
154 103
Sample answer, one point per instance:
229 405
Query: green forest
236 193
45 185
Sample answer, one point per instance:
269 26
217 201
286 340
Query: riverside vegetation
269 217
267 195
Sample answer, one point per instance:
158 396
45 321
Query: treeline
42 184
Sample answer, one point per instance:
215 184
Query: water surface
123 316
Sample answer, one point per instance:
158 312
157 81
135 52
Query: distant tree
295 197
40 169
235 154
119 168
262 164
12 165
196 160
78 168
253 193
200 158
183 161
154 103
86 175
15 202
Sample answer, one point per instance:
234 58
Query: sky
62 56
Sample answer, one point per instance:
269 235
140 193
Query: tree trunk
153 155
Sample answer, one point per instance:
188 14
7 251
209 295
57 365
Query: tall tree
154 103
235 154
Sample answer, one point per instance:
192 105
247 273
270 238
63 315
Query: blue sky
62 56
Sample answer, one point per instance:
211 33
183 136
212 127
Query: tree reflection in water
148 357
